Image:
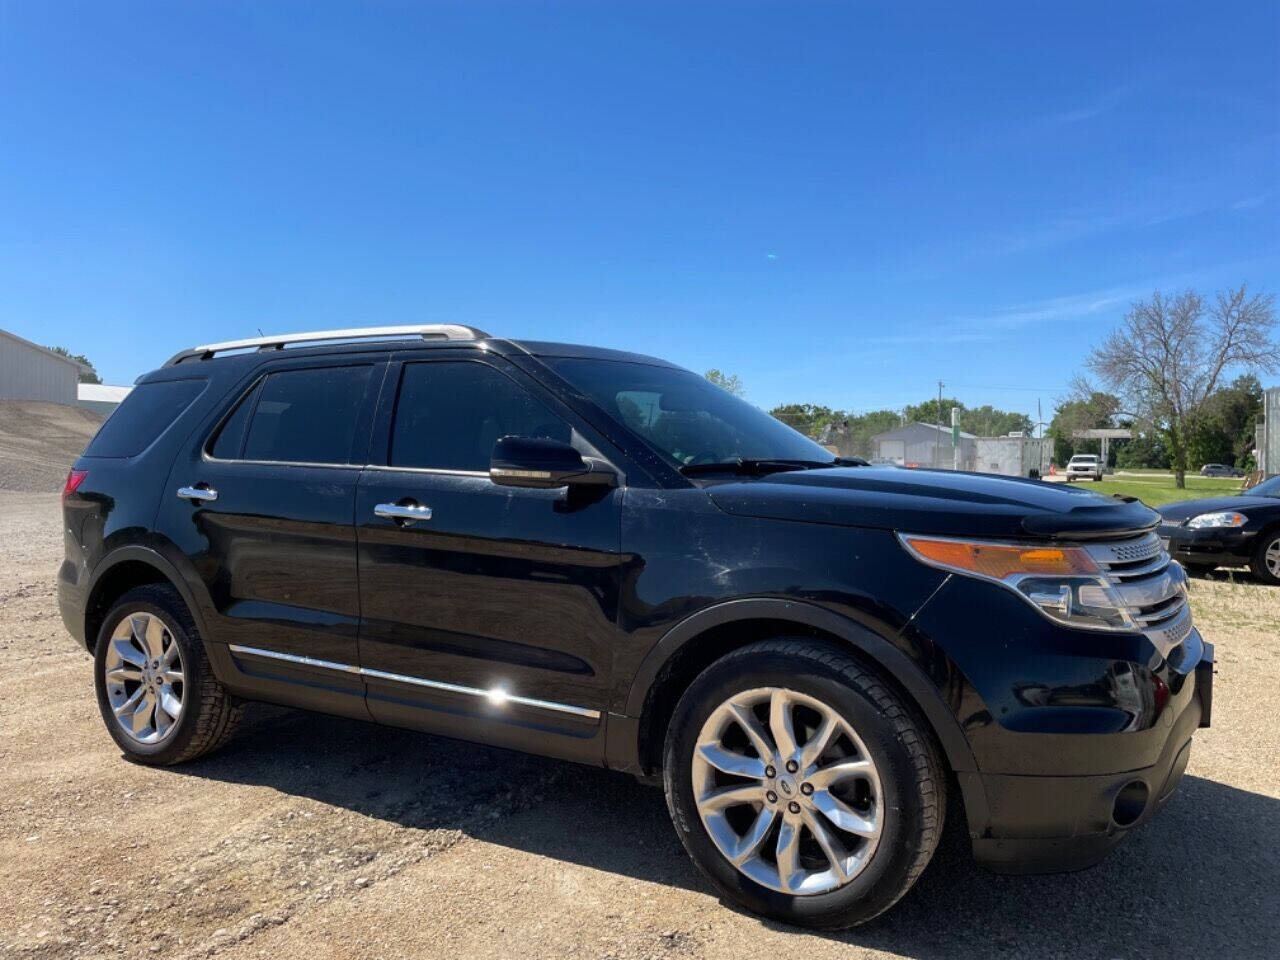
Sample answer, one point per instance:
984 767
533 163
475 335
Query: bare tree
1169 354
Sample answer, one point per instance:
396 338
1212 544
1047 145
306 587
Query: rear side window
303 416
142 417
449 414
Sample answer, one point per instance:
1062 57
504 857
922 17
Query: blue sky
840 203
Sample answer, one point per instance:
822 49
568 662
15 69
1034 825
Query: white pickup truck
1084 466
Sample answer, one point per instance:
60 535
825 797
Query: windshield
1267 488
1084 459
683 416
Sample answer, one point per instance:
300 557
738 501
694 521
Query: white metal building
1268 448
30 372
1013 456
101 398
923 445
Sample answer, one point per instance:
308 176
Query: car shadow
1205 872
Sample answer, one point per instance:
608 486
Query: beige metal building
30 372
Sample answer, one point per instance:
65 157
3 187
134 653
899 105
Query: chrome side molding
495 695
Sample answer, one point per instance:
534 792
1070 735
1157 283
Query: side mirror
545 464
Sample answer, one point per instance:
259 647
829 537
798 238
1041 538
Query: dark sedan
1234 531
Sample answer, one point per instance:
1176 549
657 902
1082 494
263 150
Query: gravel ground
317 837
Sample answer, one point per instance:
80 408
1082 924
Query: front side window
683 416
298 416
450 413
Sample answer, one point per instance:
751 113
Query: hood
1186 509
944 502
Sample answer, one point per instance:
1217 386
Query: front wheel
1265 562
801 785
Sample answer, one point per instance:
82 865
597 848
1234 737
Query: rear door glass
145 414
307 415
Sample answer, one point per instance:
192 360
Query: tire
207 714
908 784
1265 562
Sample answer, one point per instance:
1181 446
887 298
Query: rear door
263 503
493 617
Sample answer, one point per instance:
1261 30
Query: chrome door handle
197 493
407 513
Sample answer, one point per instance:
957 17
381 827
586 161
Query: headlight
1224 518
1063 583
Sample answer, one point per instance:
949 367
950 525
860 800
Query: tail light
74 479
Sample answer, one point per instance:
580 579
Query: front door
264 506
490 612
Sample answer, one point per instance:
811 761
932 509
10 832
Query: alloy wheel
787 791
145 680
1272 558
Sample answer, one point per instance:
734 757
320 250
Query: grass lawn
1155 488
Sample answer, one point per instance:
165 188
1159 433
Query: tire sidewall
157 605
882 881
1260 558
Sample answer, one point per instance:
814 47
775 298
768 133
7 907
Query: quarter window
300 416
449 414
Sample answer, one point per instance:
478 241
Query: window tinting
307 416
450 414
142 417
231 437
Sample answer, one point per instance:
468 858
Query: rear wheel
1265 562
156 691
801 784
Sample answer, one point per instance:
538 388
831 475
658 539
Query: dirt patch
40 441
316 837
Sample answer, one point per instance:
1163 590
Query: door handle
409 513
197 493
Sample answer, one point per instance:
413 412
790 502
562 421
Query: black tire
209 714
912 779
1267 540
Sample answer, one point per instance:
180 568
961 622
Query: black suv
601 557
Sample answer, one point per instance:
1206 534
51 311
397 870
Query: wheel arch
122 570
692 645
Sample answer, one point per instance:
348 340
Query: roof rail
428 331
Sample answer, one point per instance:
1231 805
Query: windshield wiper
760 466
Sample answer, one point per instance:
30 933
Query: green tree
988 421
808 418
1092 412
727 381
1224 431
87 372
928 412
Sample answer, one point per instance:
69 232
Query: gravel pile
39 442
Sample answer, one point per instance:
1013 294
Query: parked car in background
1220 470
601 557
1084 466
1236 531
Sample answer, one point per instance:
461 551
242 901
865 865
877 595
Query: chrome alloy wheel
787 791
144 678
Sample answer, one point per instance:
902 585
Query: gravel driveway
316 837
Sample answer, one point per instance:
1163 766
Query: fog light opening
1130 803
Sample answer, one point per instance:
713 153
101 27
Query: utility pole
937 458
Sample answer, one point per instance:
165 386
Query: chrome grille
1150 587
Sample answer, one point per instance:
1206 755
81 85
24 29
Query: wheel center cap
787 787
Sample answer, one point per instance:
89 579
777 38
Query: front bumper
1210 546
1048 824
